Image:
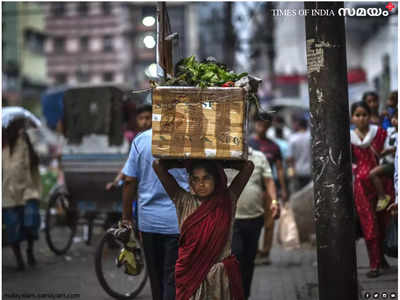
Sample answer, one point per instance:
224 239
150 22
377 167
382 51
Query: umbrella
12 113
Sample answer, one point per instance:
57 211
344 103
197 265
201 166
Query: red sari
204 235
373 223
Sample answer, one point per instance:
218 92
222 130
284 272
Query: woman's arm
168 181
239 182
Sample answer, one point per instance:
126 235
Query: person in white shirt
256 203
300 149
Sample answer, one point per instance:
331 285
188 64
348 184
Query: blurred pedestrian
281 138
205 268
392 208
138 119
278 122
367 141
371 99
258 200
300 150
21 189
386 166
271 150
390 110
157 220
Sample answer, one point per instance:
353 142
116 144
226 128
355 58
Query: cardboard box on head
209 123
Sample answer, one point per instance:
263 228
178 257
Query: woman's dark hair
279 132
144 108
361 104
369 93
209 166
10 137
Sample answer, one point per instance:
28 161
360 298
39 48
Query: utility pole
270 41
331 162
164 45
230 37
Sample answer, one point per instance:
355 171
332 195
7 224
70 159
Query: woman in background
367 142
21 191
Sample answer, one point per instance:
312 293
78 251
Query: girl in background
367 142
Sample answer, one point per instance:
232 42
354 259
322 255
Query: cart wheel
61 222
112 279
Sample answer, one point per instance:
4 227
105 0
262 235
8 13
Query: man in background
254 201
300 149
260 142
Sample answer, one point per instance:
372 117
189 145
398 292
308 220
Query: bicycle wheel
112 279
61 222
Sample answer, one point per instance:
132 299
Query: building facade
105 42
88 43
23 57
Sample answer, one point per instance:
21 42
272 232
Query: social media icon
367 295
392 295
385 295
375 295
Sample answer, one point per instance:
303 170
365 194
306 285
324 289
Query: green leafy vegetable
189 72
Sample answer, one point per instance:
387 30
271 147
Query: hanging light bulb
149 41
148 21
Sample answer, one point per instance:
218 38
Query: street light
148 21
149 41
151 71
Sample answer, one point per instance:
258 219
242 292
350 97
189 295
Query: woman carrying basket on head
205 268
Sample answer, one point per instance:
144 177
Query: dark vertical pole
334 213
270 42
230 37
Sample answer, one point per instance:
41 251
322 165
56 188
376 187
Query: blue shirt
156 211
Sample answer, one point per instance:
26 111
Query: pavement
291 276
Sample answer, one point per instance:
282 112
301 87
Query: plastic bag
288 234
390 243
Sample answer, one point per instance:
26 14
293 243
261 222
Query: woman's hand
275 209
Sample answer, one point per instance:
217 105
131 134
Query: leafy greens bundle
189 72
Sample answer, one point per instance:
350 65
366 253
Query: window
58 9
107 77
107 43
82 76
84 43
59 44
106 8
83 8
34 41
61 78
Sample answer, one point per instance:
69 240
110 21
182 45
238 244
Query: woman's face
372 102
202 183
360 118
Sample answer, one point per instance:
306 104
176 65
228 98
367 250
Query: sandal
373 273
383 203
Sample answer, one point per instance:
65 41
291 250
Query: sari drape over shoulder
205 234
